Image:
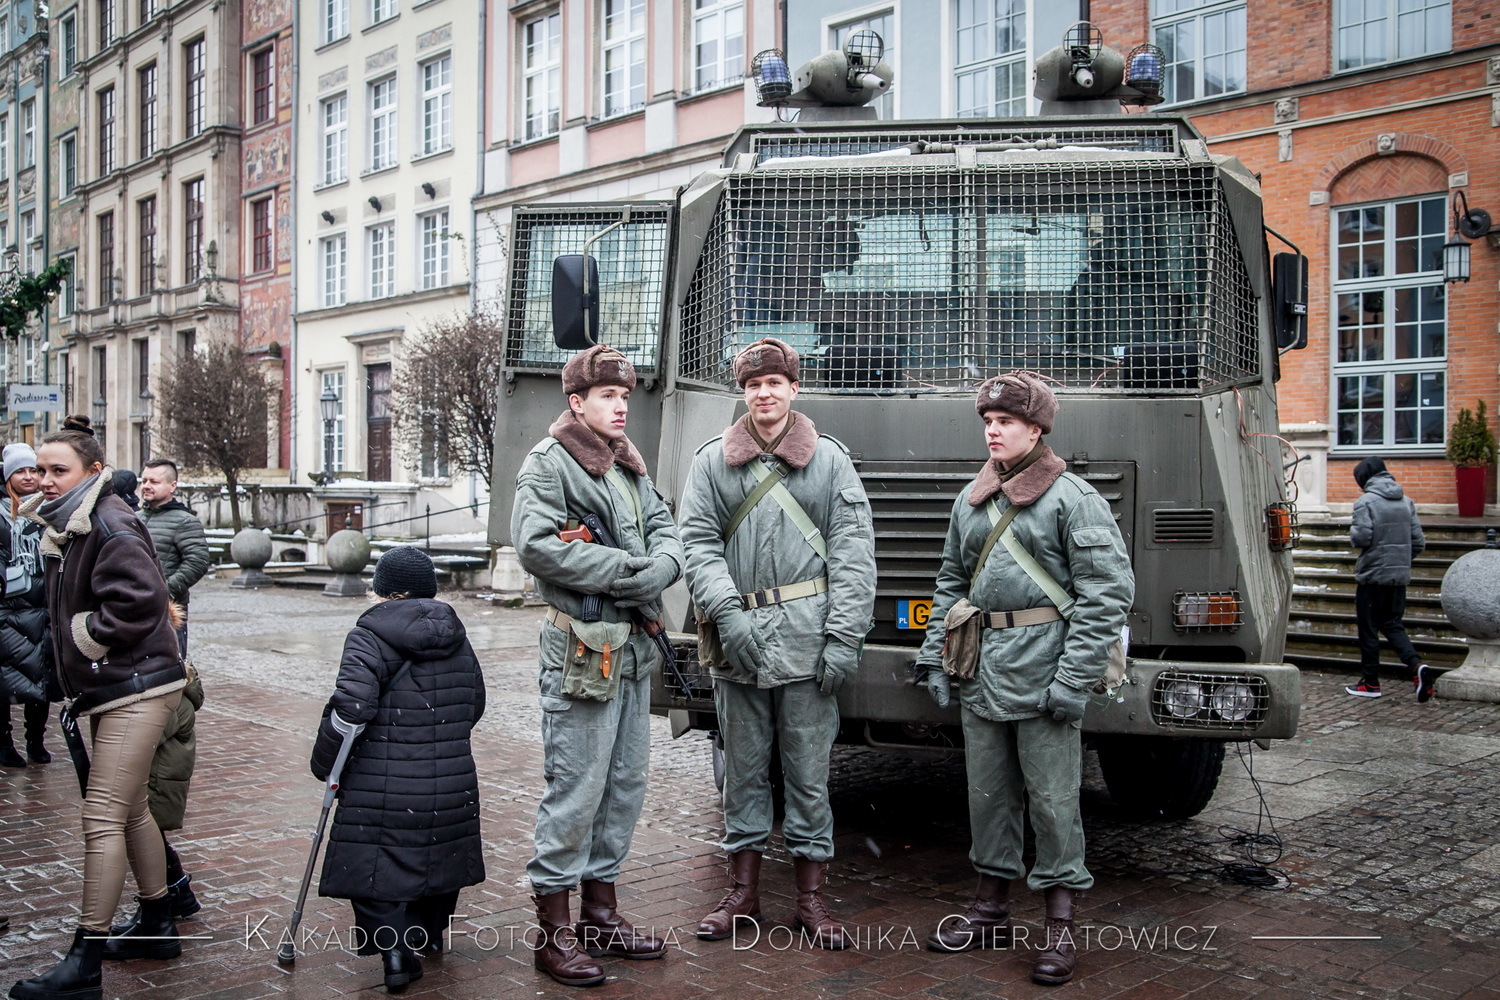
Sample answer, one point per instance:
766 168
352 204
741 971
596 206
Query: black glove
939 687
1065 703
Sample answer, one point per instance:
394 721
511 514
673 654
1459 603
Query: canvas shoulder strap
1000 523
1039 576
629 495
770 484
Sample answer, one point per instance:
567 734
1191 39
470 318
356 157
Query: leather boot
985 924
602 931
8 755
153 936
812 911
76 977
1055 962
183 904
742 901
557 953
401 968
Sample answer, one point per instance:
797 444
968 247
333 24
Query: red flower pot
1470 490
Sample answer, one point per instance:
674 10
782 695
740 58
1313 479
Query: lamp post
329 404
148 402
100 410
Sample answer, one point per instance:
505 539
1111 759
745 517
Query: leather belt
564 621
1020 619
780 595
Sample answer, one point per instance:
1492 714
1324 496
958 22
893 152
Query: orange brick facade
1319 140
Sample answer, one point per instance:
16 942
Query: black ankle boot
401 967
154 934
8 755
182 904
76 977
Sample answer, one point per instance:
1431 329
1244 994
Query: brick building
1365 122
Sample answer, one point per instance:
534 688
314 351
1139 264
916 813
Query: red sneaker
1363 690
1423 678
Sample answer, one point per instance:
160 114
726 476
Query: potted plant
1471 449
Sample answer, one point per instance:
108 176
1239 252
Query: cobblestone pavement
1387 811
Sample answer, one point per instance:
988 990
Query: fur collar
1025 488
796 448
593 452
79 522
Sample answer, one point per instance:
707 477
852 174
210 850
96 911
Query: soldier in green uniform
781 565
595 677
1022 708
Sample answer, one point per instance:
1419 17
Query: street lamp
148 405
329 404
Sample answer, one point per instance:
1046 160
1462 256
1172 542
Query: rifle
592 529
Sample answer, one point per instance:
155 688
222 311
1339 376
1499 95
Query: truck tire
1160 777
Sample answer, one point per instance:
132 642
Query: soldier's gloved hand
840 661
1065 703
628 570
645 585
938 686
741 642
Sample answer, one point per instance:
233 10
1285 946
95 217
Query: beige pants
117 825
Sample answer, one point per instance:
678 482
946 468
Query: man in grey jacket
1022 710
1388 534
783 576
595 677
178 535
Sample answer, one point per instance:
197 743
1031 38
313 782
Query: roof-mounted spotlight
1083 76
773 79
1143 69
846 79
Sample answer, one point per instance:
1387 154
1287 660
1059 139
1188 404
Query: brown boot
985 924
557 953
741 902
602 931
1055 962
812 912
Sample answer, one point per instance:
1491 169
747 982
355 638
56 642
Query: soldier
1033 663
781 565
595 676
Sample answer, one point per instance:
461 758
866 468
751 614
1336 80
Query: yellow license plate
912 614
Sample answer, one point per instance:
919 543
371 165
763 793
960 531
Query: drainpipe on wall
295 379
484 92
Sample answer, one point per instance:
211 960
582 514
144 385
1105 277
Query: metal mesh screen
1158 138
632 260
1113 274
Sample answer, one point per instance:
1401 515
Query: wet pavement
1386 813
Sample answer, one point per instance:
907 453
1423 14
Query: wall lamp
374 203
327 216
428 189
1473 223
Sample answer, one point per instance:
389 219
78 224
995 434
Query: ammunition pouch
591 667
963 630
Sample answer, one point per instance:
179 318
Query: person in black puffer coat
405 838
25 658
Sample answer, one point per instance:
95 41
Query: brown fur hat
1020 394
767 356
599 365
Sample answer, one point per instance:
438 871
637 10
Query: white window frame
976 66
622 56
433 256
1389 284
334 23
28 132
1425 31
28 242
333 270
837 30
383 101
335 138
67 168
4 145
68 56
381 11
717 23
332 378
380 253
1204 18
541 75
28 359
195 111
67 300
436 125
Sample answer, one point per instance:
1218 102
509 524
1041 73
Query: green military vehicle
909 260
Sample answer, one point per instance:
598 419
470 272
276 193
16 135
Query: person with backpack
1025 531
781 565
1387 533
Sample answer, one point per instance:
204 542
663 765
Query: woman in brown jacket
118 664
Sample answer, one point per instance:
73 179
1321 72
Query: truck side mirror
1289 298
575 301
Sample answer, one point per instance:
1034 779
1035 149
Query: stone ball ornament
348 555
1471 594
251 550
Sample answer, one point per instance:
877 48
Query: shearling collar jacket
112 636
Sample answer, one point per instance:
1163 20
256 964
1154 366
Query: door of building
378 422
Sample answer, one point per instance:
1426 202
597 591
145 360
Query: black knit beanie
405 570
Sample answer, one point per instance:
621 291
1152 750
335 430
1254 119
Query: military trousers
595 758
1015 767
804 721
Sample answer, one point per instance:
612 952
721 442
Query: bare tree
446 388
212 412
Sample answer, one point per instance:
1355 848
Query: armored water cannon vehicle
909 260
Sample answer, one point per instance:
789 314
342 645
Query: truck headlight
1232 702
1184 699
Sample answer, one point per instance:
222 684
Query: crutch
287 953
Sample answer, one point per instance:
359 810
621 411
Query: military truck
909 260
